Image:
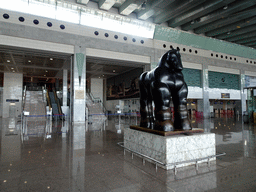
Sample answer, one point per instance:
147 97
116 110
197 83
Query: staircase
36 106
95 108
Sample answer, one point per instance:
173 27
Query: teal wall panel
181 37
192 77
223 80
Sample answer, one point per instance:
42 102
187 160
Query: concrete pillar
12 93
243 95
65 87
205 81
79 85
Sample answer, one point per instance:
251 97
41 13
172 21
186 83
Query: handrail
48 99
99 101
168 164
57 101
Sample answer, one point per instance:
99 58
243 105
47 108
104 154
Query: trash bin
246 117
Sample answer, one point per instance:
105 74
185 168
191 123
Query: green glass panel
224 80
192 77
181 37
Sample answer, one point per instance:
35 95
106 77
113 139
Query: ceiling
47 66
230 20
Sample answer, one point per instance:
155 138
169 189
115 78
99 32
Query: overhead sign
12 100
225 95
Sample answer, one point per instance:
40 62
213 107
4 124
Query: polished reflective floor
87 158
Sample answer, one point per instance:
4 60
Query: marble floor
87 158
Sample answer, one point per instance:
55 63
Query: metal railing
145 157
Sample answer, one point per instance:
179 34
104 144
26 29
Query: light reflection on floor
87 158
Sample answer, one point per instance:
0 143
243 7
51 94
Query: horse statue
158 86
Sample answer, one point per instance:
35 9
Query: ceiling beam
149 11
247 40
106 4
242 36
197 12
226 21
173 11
218 14
250 43
232 29
84 2
129 6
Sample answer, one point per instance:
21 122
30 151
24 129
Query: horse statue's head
171 59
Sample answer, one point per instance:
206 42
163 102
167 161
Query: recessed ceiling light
12 68
226 7
29 61
114 70
46 71
51 59
44 75
8 61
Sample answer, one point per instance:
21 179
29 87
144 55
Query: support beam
242 36
106 4
174 11
250 43
198 12
84 2
226 21
129 6
247 40
231 30
232 8
149 11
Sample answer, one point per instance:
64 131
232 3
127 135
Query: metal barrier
166 165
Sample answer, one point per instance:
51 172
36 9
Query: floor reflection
86 157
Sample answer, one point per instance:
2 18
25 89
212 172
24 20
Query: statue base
176 148
167 133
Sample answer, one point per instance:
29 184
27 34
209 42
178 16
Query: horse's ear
171 47
178 49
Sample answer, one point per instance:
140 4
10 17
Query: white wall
13 83
97 88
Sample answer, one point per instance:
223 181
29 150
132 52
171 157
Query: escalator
34 110
54 104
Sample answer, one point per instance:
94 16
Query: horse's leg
181 120
161 97
144 112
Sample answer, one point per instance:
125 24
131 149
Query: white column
243 95
206 102
65 87
79 85
13 83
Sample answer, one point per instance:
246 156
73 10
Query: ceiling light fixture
226 7
8 61
12 68
51 59
114 70
228 33
29 61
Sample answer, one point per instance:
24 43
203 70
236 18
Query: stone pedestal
171 150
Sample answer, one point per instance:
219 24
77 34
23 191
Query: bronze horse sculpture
158 86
